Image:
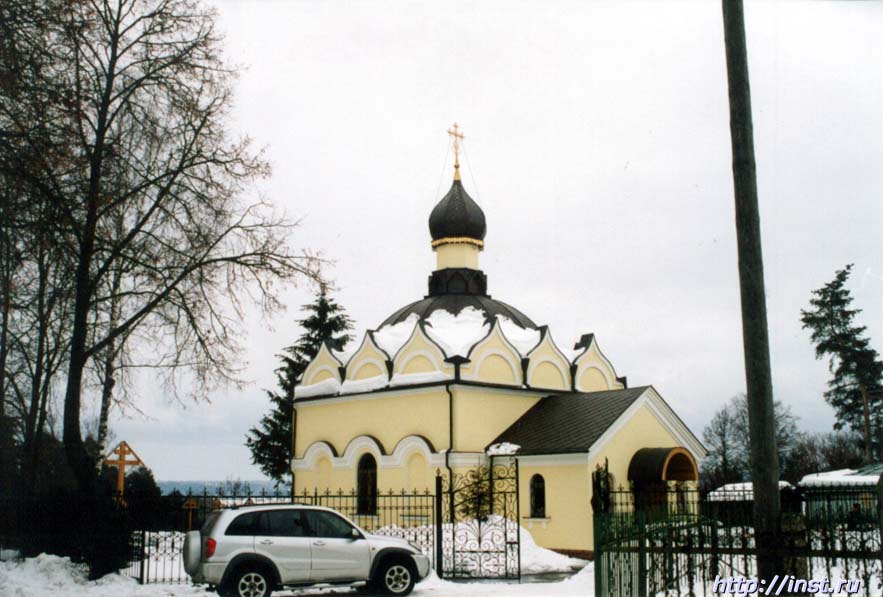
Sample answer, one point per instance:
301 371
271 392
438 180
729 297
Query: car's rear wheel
249 581
396 577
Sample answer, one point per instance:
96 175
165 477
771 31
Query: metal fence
468 526
676 540
159 544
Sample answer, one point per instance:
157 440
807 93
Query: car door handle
320 543
266 542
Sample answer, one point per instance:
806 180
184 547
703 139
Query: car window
244 524
209 522
326 524
286 523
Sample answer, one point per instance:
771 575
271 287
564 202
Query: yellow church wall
482 414
417 364
568 521
364 370
643 430
322 474
418 474
494 368
547 375
456 255
592 380
387 418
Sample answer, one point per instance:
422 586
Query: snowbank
539 560
54 576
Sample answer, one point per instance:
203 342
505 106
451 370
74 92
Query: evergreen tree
270 441
856 368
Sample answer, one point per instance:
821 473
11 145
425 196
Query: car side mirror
356 534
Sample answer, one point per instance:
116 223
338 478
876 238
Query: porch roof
567 423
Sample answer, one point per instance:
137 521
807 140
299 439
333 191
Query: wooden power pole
755 335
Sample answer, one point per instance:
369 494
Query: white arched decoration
407 446
335 374
582 369
312 455
365 444
565 376
561 363
354 450
399 366
516 373
361 363
512 359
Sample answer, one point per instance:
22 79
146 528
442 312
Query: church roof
455 303
567 423
457 216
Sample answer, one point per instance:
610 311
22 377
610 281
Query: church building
449 378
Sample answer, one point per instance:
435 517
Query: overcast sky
597 143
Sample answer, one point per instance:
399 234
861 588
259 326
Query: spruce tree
270 440
856 368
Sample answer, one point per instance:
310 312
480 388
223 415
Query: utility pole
755 334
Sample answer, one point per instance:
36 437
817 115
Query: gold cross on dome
458 136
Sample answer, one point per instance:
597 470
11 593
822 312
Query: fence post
141 571
642 561
880 513
439 568
600 503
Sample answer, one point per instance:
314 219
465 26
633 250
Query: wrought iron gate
477 522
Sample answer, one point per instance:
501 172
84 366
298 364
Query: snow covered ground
53 576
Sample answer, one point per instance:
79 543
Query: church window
537 497
366 486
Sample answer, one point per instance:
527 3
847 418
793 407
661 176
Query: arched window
366 485
537 497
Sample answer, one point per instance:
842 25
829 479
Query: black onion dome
454 303
457 215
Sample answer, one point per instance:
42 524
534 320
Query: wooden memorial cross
122 452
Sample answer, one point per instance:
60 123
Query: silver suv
250 551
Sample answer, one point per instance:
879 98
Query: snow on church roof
456 334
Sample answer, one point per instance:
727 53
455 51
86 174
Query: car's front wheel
248 582
396 577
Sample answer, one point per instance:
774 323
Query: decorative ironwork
478 527
678 540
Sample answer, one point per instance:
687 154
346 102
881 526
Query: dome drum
457 281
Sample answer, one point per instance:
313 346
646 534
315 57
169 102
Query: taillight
210 545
